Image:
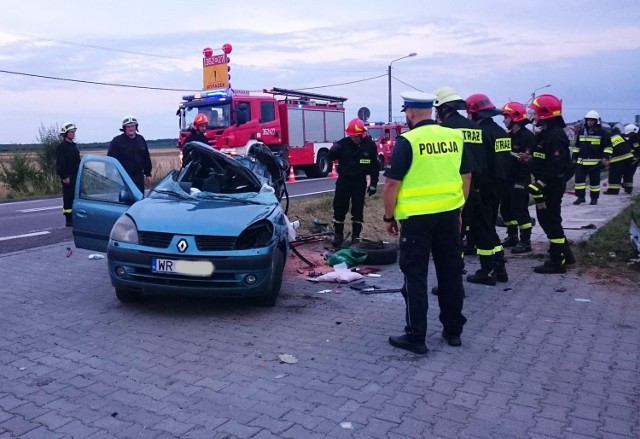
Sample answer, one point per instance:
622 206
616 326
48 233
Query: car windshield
375 133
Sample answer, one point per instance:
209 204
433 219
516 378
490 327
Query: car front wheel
126 295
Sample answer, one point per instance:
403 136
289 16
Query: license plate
188 268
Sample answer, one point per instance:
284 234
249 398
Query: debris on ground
287 358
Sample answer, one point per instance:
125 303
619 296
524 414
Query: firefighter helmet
355 127
200 119
66 127
481 104
129 120
593 114
445 95
546 107
631 128
515 110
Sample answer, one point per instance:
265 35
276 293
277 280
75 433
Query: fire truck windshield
375 133
219 116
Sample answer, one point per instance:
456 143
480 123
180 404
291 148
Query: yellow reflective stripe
557 240
594 189
614 186
481 252
497 248
67 210
608 150
576 149
594 140
526 226
588 162
365 161
502 145
511 223
580 186
616 140
540 155
621 158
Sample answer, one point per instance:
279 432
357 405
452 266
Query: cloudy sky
587 50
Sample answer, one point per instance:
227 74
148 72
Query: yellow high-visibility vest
433 183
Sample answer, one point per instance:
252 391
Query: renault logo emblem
182 245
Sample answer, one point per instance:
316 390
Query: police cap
417 99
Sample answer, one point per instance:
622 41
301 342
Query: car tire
127 295
378 252
277 269
322 167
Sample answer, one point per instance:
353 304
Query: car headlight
256 235
125 230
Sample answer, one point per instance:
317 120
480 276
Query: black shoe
403 342
522 247
501 275
68 223
593 202
453 340
550 268
580 200
481 277
434 290
510 241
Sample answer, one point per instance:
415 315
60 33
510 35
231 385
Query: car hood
208 217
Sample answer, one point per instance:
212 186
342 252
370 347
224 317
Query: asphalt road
35 223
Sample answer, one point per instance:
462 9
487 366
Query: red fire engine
304 125
384 134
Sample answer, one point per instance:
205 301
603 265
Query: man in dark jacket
131 150
357 157
198 129
67 164
591 153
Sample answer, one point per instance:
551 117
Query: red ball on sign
207 52
226 48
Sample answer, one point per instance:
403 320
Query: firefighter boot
556 265
594 198
356 229
68 220
524 245
338 235
487 274
569 259
512 237
580 200
501 270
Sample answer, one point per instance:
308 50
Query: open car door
104 191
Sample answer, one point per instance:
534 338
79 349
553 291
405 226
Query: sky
587 52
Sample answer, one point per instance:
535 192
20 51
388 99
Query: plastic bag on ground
349 256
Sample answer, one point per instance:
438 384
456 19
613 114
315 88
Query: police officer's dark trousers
68 191
593 172
354 190
421 236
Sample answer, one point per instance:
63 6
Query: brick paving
553 356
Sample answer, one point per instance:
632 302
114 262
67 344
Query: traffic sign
215 72
364 114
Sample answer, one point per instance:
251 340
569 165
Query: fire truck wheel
322 167
378 252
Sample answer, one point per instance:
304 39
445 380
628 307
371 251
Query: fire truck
301 126
384 135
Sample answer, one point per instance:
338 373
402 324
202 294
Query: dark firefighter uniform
472 136
514 206
551 167
355 162
196 136
592 146
621 167
633 139
429 161
133 155
490 185
67 164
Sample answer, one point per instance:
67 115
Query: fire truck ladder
304 95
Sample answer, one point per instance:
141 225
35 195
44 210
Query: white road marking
38 209
26 235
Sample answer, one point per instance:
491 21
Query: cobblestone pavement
553 356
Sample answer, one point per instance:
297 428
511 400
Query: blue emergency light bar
221 95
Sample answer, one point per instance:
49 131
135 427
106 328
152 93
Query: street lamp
533 94
389 75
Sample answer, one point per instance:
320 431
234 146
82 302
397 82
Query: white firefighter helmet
444 95
593 114
129 120
631 128
66 127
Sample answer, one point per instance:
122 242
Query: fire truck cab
384 135
301 126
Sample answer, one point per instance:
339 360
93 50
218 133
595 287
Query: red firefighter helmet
515 110
355 127
480 102
546 107
199 120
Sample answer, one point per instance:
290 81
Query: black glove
372 190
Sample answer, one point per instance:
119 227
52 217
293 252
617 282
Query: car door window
101 181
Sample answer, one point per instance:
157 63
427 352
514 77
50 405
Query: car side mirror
126 197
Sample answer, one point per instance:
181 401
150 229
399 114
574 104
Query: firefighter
131 150
425 187
514 206
447 104
621 167
497 147
357 157
67 164
631 134
551 167
591 153
198 129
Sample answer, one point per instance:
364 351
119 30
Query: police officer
198 129
551 167
67 164
621 167
425 188
491 184
514 206
131 150
591 153
447 103
357 157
